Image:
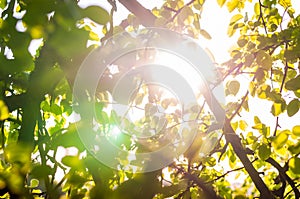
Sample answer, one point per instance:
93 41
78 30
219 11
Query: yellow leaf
205 34
257 8
235 18
4 113
280 139
276 109
233 4
296 130
221 2
285 3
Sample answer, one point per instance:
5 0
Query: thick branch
282 171
144 15
208 190
236 144
42 80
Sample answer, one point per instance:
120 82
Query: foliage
36 104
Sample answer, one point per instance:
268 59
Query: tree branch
144 15
282 171
209 192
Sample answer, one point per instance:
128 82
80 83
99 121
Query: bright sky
215 21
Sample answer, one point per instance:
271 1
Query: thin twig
228 172
178 11
261 16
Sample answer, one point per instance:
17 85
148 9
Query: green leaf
257 120
68 139
97 14
264 60
2 4
264 151
293 84
56 109
102 117
72 161
64 41
76 179
233 4
221 2
210 161
205 34
280 139
294 165
296 130
40 171
294 149
293 107
34 183
45 106
232 87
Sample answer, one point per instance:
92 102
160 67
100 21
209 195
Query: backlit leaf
97 14
242 43
205 34
235 18
72 161
102 117
264 60
280 139
277 108
233 4
232 87
2 4
186 15
296 130
285 3
264 151
293 84
243 125
40 171
4 113
34 183
56 109
293 107
257 120
294 165
257 8
221 2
